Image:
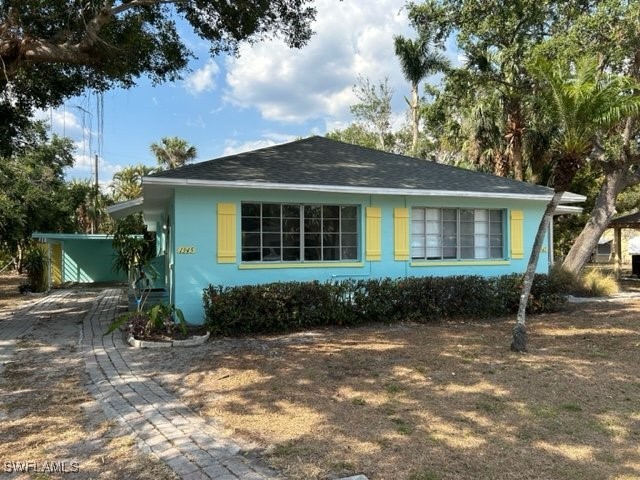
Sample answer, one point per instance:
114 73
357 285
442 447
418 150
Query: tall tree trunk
603 212
519 343
415 118
514 138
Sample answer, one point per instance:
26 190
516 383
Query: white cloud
352 38
202 79
61 120
267 140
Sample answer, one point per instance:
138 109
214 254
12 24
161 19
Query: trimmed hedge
287 306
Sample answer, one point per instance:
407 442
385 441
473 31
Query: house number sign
186 250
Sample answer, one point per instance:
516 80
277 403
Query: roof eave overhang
122 209
176 182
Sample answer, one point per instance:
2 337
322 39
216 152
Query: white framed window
457 234
282 232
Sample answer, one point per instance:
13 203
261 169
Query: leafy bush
37 265
160 320
286 306
597 284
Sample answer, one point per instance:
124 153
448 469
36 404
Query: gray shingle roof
321 161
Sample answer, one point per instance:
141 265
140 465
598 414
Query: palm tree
417 61
582 101
173 152
127 183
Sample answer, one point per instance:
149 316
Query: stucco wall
195 222
86 261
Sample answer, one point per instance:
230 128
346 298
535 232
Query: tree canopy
173 152
57 49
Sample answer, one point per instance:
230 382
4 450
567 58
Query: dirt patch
438 401
10 297
51 426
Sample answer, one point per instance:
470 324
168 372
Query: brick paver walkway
15 325
192 447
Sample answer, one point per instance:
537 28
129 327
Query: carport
79 258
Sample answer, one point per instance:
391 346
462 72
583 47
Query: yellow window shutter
227 248
373 234
401 233
517 234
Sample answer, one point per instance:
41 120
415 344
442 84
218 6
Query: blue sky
269 94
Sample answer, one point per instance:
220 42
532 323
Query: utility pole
95 222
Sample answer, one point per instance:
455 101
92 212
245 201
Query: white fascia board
567 210
568 197
123 209
177 182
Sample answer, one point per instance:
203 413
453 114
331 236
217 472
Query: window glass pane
433 241
417 252
349 253
271 210
449 215
496 216
271 240
466 215
291 254
250 239
432 214
481 215
481 241
331 240
312 211
271 254
250 224
466 252
433 227
496 240
312 254
433 253
417 214
449 228
330 254
250 254
466 240
290 225
496 252
349 225
291 240
291 211
481 252
496 228
417 227
312 225
330 211
466 228
349 240
349 212
270 224
312 240
450 241
330 226
250 209
449 252
482 228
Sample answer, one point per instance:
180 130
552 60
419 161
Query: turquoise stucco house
318 209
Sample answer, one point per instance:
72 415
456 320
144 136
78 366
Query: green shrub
287 306
37 266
